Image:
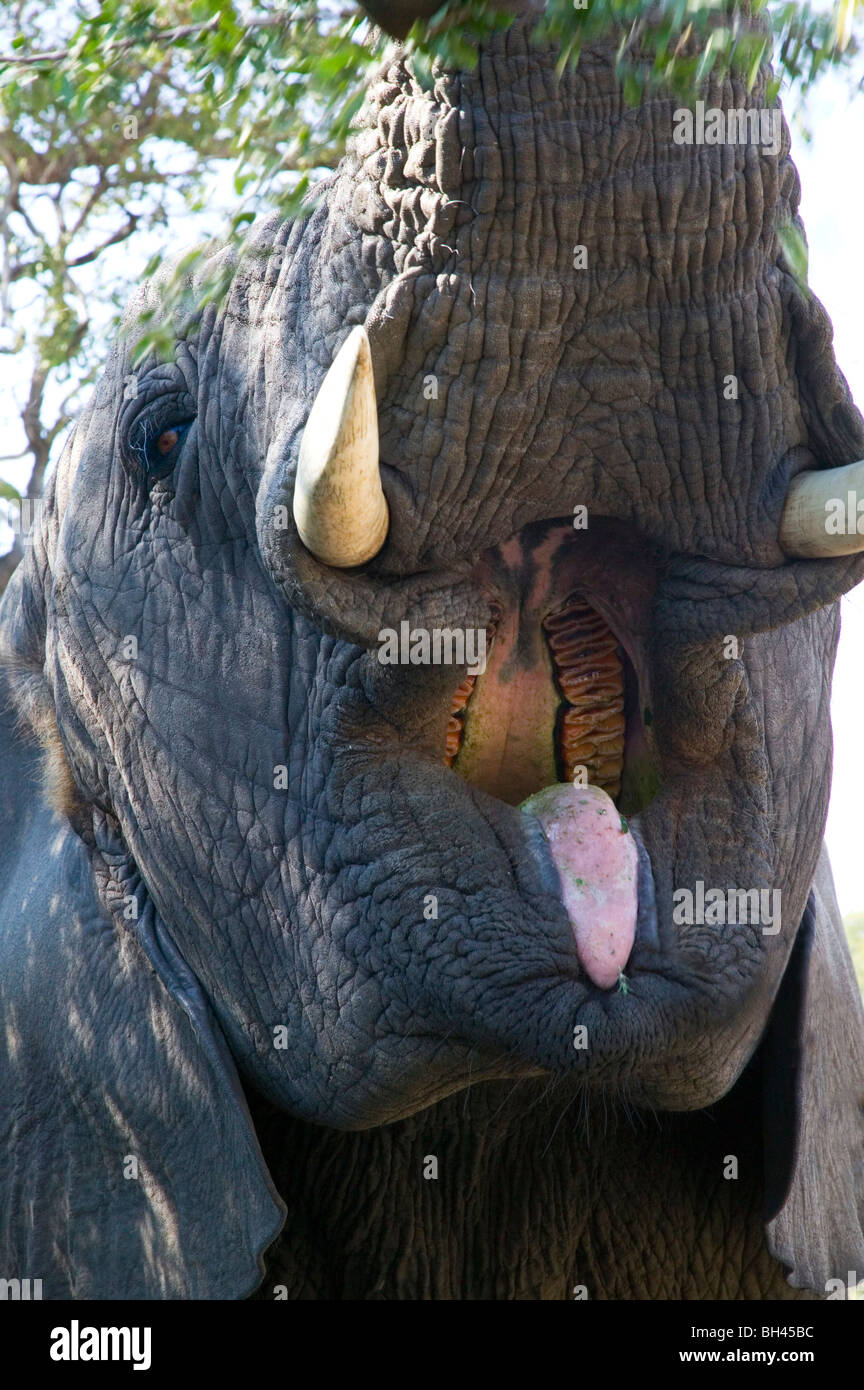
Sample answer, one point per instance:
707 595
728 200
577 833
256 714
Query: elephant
323 975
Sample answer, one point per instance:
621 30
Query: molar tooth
455 724
591 678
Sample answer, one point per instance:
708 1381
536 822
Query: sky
832 207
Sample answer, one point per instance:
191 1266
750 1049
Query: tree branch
10 562
185 31
57 55
120 235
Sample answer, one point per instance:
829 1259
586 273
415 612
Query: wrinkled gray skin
165 908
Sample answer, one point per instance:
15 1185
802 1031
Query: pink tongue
596 858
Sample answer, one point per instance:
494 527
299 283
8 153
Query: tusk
820 518
339 505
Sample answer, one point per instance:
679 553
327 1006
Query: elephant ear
813 1106
129 1167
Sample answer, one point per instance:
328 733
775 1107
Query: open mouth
563 697
557 717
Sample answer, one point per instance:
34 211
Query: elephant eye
167 440
157 450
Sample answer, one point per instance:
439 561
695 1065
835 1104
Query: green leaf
795 253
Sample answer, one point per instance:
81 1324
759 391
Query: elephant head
533 375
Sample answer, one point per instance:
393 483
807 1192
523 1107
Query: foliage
679 44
